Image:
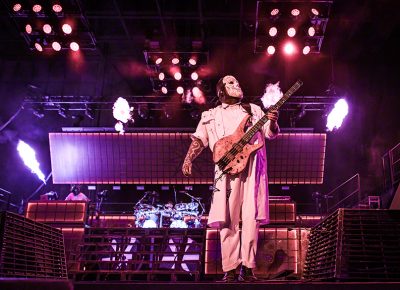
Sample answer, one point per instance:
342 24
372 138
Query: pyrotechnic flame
337 115
122 111
28 155
271 95
119 127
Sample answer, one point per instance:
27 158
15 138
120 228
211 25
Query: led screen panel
156 158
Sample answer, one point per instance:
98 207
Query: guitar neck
253 130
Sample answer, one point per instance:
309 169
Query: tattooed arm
195 149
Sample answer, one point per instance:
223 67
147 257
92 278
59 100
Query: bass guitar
231 153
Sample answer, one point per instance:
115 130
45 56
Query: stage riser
30 249
355 245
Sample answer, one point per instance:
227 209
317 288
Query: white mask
232 87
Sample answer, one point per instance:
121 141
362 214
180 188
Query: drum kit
181 215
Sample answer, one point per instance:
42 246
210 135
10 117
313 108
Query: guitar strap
247 107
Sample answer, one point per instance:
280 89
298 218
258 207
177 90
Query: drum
147 218
181 206
192 206
180 224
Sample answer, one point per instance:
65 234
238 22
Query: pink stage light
161 76
37 8
158 60
164 90
314 11
291 32
57 8
17 7
194 76
311 31
273 31
47 28
306 50
28 28
66 28
56 46
175 60
38 46
192 61
271 50
274 12
295 12
179 90
289 48
177 76
74 46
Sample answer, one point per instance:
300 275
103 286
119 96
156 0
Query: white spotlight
28 28
47 28
38 46
177 76
271 50
192 61
311 31
272 31
295 12
291 32
164 90
161 76
179 90
28 155
337 115
66 28
194 76
158 60
175 60
74 46
306 50
289 48
56 46
57 8
37 8
17 7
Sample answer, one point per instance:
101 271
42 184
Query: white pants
236 249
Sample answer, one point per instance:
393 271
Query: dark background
358 59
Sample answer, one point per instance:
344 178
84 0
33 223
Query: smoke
272 95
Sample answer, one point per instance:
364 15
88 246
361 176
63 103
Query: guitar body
239 161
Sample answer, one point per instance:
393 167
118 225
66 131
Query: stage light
63 111
47 28
272 31
66 28
28 155
74 46
38 46
314 12
271 50
89 112
177 76
56 46
291 32
161 76
194 76
38 111
37 8
306 50
175 60
57 8
274 12
311 31
164 90
337 115
28 28
289 48
192 61
158 60
295 12
17 7
179 90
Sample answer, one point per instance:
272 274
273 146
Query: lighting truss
165 62
43 30
279 15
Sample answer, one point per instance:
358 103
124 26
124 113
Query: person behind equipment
76 194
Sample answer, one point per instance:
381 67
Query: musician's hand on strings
273 116
187 167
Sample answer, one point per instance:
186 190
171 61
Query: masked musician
76 194
243 196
